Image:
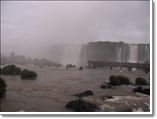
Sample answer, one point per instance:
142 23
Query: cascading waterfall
133 53
119 54
147 56
71 54
79 54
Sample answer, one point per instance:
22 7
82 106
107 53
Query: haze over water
59 33
34 28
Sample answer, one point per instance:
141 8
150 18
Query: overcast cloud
37 25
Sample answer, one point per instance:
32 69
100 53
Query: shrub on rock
123 79
81 106
119 80
113 81
2 88
140 81
27 74
10 70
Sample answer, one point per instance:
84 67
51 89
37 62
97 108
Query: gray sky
37 25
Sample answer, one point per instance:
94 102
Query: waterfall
119 54
79 54
71 54
133 53
147 52
144 53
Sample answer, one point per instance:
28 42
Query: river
55 87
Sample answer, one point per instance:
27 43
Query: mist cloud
32 27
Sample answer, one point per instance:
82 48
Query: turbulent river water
55 87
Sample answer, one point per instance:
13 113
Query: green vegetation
14 70
119 80
123 79
2 88
27 74
140 81
10 70
113 80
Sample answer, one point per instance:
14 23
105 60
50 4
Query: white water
71 54
147 50
133 54
119 54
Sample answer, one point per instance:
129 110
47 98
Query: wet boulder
138 89
138 110
81 106
146 91
2 88
85 93
81 68
27 74
70 66
141 90
107 97
105 86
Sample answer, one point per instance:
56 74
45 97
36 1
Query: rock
124 109
141 90
107 97
106 108
81 68
85 93
137 89
138 110
146 91
82 106
3 87
105 86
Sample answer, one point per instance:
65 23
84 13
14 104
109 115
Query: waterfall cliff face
118 52
122 53
144 53
101 51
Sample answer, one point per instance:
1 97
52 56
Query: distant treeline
20 59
